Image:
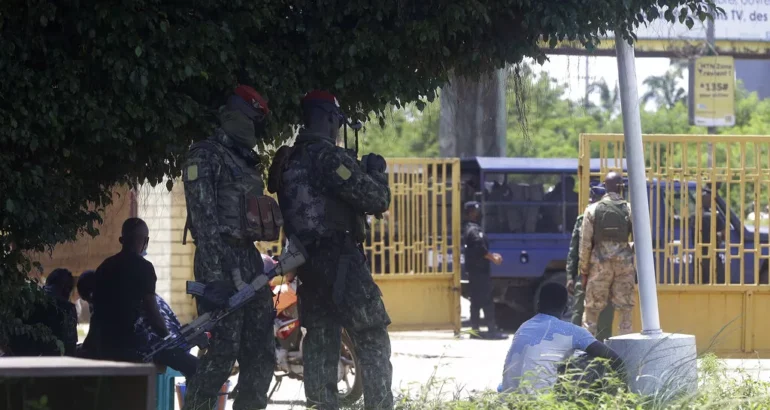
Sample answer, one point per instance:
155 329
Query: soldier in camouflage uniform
606 260
576 286
325 193
223 187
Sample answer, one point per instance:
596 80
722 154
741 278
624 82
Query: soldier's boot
604 323
489 314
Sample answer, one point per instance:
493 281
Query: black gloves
374 163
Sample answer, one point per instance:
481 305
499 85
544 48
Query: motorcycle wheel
355 390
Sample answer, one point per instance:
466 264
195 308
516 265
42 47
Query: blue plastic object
164 387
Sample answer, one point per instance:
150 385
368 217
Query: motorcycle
289 336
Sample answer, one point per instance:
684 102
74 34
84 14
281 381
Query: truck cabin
523 195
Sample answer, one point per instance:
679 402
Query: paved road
458 364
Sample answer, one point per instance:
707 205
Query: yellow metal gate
414 250
712 275
411 251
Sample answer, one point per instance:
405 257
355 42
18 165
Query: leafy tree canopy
98 93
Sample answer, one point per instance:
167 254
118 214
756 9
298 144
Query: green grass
718 388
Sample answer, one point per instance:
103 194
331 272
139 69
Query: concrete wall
165 214
87 252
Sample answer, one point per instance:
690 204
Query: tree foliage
100 93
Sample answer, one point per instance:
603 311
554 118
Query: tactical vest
310 209
611 221
243 212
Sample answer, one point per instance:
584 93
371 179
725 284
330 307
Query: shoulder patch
192 172
343 172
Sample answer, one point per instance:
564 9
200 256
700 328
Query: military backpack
612 221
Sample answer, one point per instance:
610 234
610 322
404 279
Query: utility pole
710 50
637 178
648 369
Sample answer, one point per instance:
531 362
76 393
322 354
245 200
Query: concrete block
178 249
181 274
177 224
178 212
178 286
175 260
662 366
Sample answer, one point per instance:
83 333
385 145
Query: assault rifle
197 332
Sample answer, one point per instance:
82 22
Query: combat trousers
481 298
354 302
245 335
611 278
604 327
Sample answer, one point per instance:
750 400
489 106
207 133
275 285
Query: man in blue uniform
477 259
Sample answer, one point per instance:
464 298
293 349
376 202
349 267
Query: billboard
744 20
742 31
712 99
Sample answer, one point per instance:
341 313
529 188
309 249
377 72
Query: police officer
576 286
223 189
325 195
477 258
606 259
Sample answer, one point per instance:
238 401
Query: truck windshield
518 203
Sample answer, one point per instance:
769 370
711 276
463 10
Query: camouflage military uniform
323 194
607 315
247 334
609 266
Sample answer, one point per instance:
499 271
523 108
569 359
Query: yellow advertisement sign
713 92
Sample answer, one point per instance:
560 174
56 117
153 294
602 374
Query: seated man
542 343
123 289
178 358
55 312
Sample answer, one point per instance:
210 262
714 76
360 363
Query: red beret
252 97
317 95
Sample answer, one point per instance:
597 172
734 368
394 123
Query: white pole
632 128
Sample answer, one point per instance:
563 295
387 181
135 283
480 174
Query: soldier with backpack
606 258
576 287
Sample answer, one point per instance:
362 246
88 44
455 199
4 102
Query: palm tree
663 89
608 99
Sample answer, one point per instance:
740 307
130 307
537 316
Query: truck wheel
517 309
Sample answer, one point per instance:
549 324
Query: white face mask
144 252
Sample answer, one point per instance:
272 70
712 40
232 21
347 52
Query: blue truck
529 208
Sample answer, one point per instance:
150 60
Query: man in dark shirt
123 290
477 258
705 237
